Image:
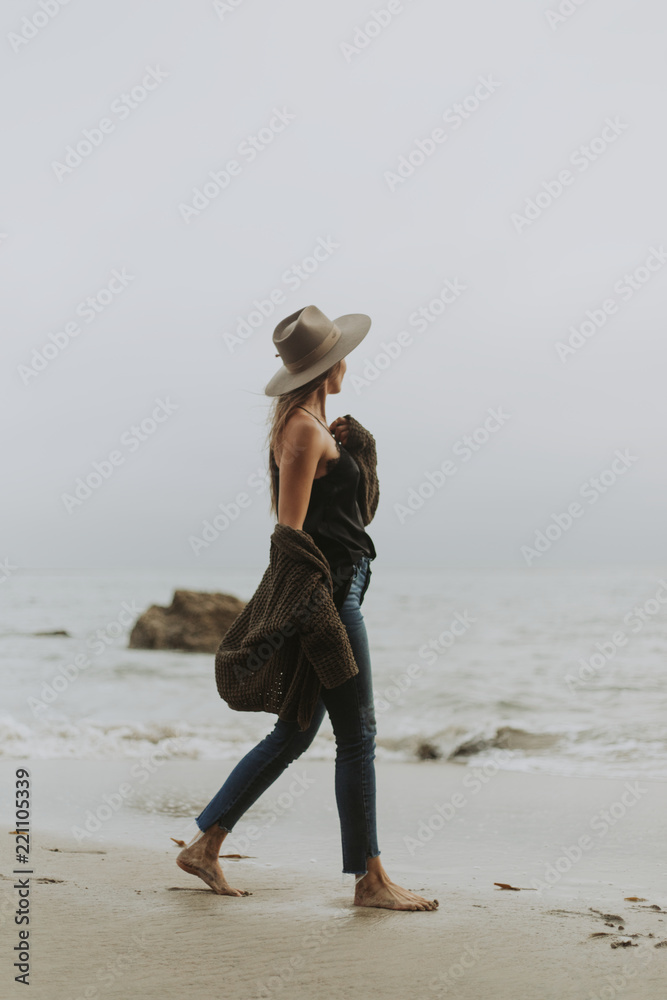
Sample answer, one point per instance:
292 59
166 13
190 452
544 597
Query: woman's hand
340 429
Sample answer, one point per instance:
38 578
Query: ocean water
536 670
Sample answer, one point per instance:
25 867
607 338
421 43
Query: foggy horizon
486 183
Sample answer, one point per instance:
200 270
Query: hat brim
353 328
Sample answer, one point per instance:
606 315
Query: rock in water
426 751
194 622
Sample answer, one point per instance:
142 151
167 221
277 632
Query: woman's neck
316 404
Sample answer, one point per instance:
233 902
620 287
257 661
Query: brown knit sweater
289 640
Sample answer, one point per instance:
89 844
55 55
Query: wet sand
112 916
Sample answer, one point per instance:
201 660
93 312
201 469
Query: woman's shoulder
298 433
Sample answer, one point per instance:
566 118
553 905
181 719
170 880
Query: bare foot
375 888
200 858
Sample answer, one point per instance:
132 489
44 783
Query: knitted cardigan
289 639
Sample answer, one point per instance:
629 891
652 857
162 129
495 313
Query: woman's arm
301 453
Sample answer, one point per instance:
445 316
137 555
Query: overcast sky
499 167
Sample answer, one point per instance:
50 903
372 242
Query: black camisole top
333 519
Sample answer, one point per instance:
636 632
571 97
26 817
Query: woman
315 488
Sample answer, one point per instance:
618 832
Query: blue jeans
352 713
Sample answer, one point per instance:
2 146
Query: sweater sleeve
325 641
361 444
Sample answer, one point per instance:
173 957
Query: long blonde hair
280 412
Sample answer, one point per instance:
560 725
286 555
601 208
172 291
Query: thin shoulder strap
323 425
317 418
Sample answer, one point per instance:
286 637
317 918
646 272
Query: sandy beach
111 915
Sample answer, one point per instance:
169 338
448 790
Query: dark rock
426 751
194 622
59 631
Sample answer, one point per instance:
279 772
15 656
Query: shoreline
113 913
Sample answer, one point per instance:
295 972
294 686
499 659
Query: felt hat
309 343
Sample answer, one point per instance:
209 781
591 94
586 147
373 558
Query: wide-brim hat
309 343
